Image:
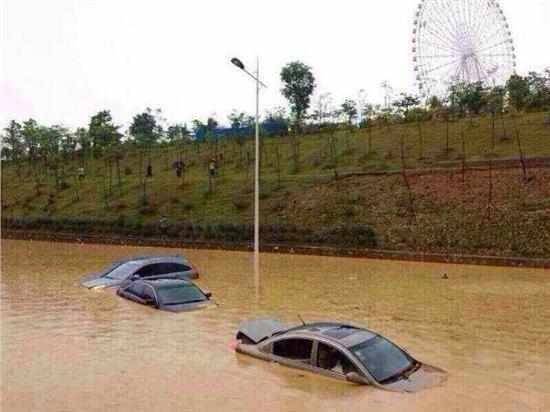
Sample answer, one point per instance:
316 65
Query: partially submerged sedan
340 351
173 295
141 267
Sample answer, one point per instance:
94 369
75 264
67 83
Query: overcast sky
63 60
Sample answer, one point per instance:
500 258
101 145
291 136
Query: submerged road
67 348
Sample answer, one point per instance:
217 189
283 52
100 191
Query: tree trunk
520 151
412 211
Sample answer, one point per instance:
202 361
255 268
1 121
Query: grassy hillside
439 212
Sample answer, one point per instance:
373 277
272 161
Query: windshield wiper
185 303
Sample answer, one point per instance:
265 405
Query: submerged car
173 295
340 351
141 267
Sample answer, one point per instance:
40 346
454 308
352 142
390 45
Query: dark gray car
141 267
173 295
340 351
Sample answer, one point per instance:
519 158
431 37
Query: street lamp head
237 63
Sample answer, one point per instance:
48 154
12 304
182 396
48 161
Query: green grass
297 197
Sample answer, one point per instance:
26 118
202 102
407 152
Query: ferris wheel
461 41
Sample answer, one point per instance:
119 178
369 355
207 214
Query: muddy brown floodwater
67 348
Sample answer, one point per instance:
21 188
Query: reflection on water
67 348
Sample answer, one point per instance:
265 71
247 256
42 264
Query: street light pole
257 170
256 77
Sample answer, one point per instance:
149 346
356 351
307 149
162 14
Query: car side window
173 268
296 349
145 271
334 360
161 269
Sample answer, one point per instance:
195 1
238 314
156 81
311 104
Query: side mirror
135 277
208 294
356 378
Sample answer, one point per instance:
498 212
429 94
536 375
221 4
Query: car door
149 296
134 292
332 361
293 351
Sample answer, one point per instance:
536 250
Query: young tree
406 103
495 104
236 119
322 108
275 122
102 132
145 128
435 103
178 133
539 90
467 97
298 86
30 135
13 138
83 139
349 108
518 91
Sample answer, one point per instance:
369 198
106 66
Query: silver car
340 351
141 267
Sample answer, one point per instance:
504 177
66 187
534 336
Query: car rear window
120 272
180 294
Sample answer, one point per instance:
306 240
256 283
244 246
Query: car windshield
382 358
120 272
180 294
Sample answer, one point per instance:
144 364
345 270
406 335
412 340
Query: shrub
241 202
147 209
360 236
187 206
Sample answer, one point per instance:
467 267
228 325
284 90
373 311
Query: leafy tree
178 133
31 137
467 97
298 86
435 103
211 124
203 130
236 119
51 139
276 122
13 138
367 113
495 99
68 142
83 140
518 91
349 108
323 108
145 128
539 88
405 103
102 132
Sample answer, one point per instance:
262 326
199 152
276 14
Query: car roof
161 282
343 334
153 259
